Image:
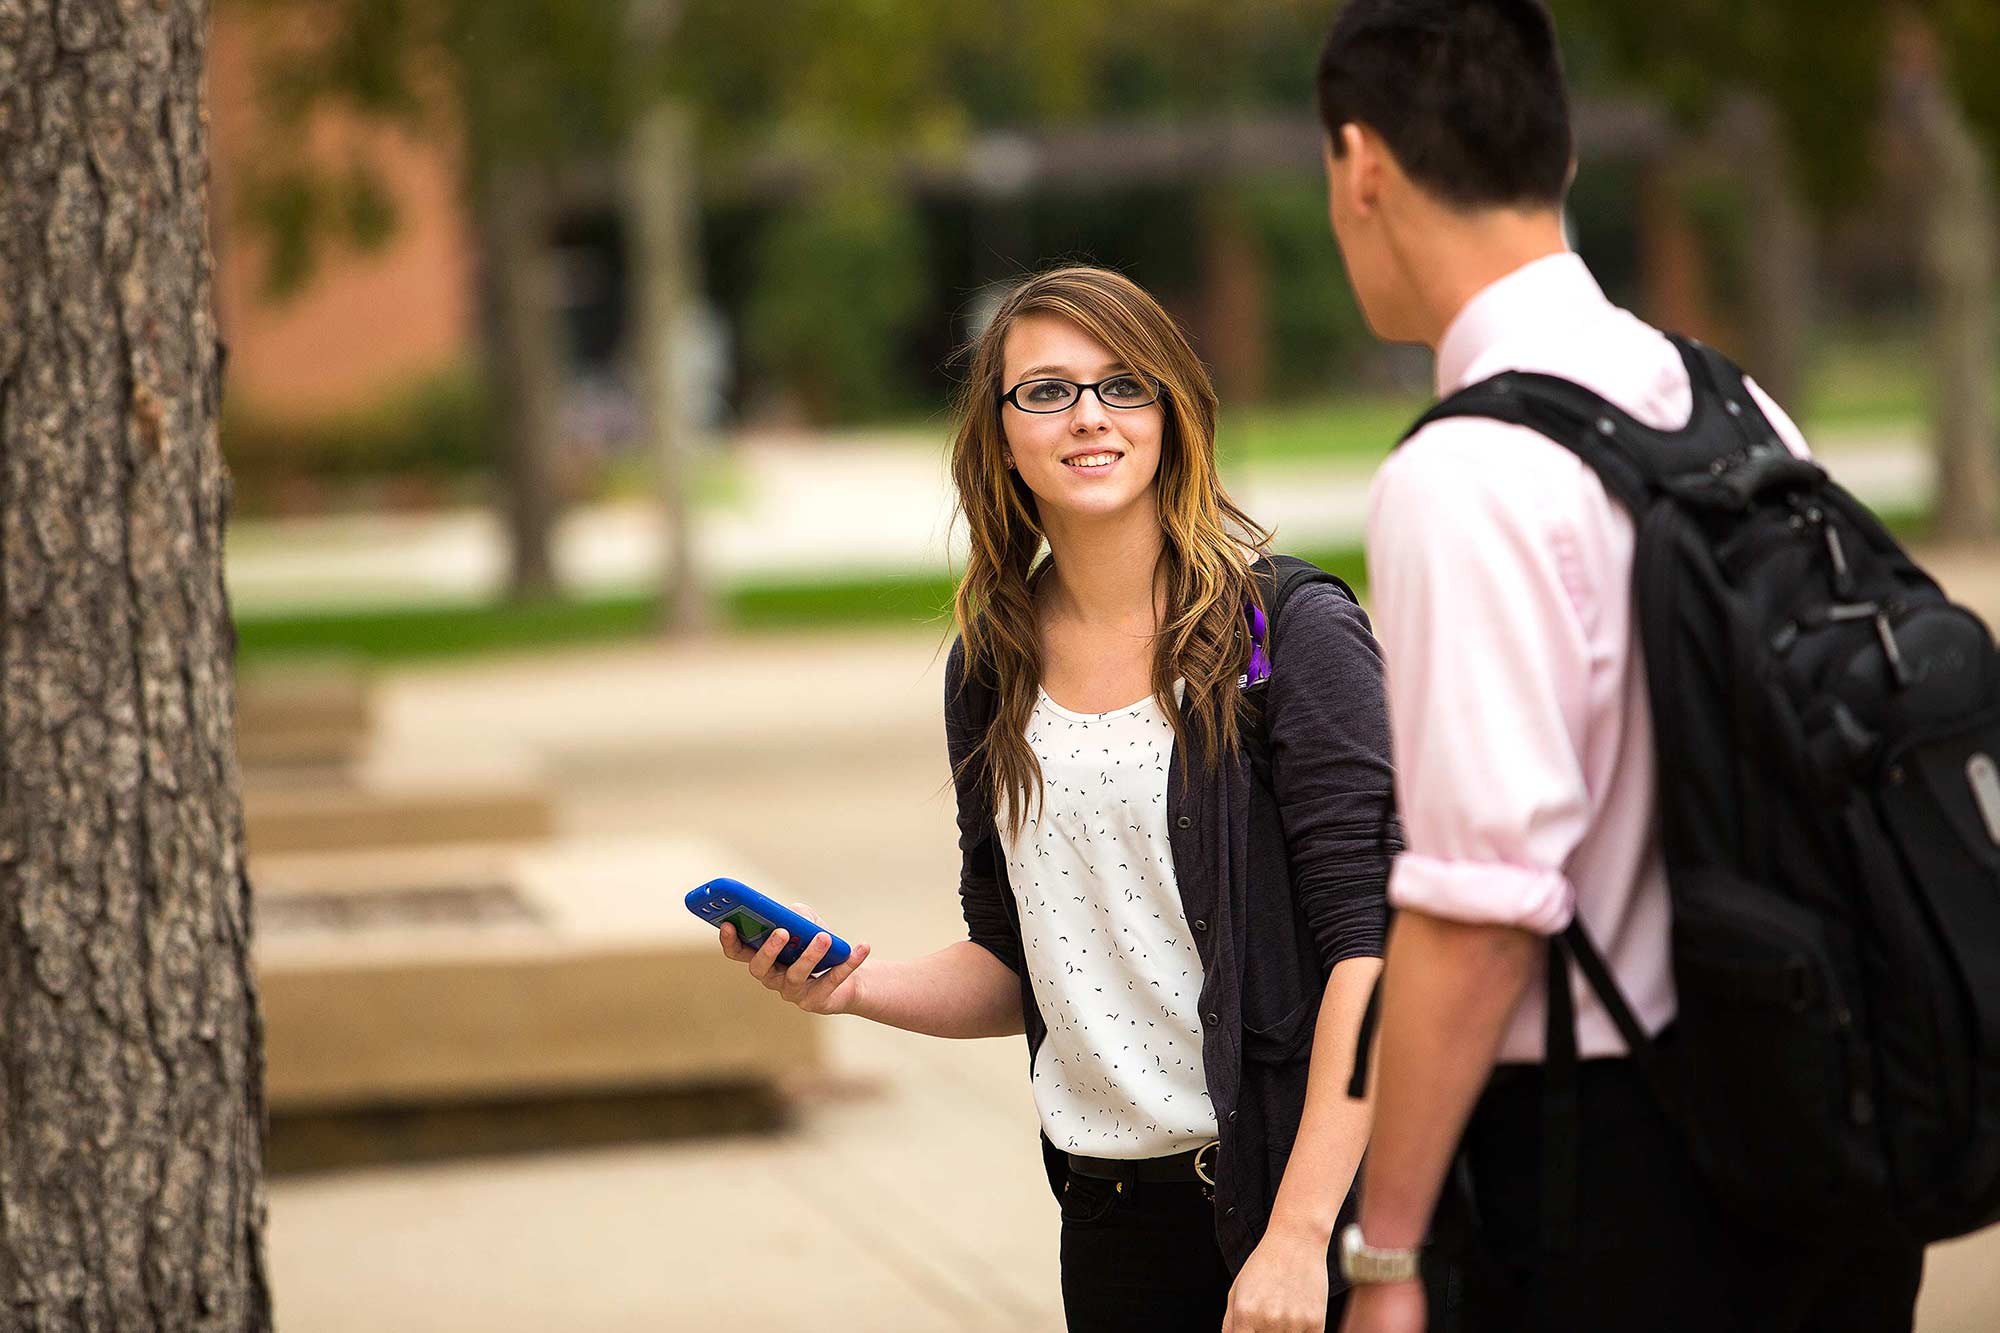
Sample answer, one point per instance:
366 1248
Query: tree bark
131 1107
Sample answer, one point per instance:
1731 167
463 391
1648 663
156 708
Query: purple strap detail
1260 661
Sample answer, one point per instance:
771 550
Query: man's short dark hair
1468 94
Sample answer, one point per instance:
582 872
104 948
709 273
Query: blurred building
367 324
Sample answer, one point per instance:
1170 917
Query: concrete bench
458 973
285 817
315 716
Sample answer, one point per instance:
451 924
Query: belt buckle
1202 1172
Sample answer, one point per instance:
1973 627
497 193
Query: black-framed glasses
1125 390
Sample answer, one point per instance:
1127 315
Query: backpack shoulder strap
1278 578
1726 454
1569 414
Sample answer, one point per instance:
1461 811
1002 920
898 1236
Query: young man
1523 742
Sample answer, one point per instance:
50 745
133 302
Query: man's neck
1455 256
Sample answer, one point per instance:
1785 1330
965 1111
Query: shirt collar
1550 289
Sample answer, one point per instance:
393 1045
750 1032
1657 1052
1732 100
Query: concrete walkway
909 1197
804 508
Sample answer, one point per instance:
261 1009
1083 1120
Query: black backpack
1828 734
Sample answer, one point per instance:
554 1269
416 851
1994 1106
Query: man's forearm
962 990
1448 990
1333 1131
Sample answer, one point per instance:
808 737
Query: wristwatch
1362 1264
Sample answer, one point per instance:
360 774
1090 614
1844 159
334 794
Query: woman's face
1090 459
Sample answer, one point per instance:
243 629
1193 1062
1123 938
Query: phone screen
748 928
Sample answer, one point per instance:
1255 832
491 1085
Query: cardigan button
1232 1117
1213 1018
1201 925
1184 822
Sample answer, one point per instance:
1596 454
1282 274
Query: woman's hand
1283 1287
836 992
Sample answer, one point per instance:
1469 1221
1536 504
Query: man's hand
1385 1307
1282 1288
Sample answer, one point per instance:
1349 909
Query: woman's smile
1095 463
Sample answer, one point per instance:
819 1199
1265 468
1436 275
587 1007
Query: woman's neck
1107 569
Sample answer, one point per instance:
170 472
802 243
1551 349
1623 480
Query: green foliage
1356 428
840 278
1315 324
1822 64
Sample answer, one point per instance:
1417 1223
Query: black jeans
1650 1250
1145 1258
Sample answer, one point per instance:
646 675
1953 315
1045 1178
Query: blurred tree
519 87
1802 87
131 1056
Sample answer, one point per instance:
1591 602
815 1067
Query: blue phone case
727 899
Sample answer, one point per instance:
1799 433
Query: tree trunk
660 220
523 364
1778 304
131 1105
1675 275
1235 313
1958 237
508 200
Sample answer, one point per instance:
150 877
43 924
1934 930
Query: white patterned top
1107 944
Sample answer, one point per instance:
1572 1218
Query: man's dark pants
1649 1248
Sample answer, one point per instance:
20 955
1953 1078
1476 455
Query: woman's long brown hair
1203 639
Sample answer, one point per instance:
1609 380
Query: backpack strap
1565 412
1282 576
1726 456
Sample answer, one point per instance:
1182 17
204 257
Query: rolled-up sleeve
1331 771
979 890
1482 606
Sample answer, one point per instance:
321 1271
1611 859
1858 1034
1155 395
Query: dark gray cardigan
1279 883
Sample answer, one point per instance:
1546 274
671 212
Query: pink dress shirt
1500 575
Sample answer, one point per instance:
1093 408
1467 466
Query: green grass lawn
418 634
909 601
1359 429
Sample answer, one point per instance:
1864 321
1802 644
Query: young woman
1174 852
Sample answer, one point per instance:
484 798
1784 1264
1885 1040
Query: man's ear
1354 171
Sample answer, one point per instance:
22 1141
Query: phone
756 916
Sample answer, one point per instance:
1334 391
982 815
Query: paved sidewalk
909 1197
808 508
